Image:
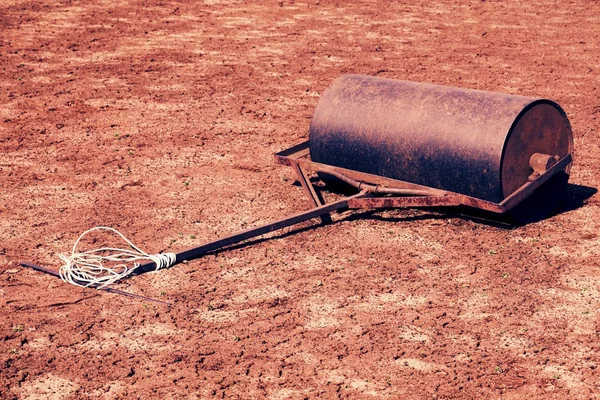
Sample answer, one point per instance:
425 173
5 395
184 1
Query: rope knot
86 268
164 260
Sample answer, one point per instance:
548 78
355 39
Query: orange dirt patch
160 118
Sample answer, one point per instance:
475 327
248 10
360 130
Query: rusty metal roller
477 143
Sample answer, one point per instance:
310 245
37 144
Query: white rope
86 268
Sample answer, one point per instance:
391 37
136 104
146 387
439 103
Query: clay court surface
160 118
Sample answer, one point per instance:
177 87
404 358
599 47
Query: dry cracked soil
160 118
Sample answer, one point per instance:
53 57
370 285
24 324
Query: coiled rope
86 268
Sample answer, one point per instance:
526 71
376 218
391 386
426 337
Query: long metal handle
199 251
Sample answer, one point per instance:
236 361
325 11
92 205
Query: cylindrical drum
466 141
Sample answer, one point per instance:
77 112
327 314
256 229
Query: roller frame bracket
298 157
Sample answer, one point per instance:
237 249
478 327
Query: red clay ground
160 118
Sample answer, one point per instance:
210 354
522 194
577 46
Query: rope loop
86 268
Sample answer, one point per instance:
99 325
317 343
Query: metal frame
401 194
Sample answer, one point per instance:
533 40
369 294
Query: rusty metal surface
403 202
314 199
464 141
307 186
541 128
377 188
541 163
300 154
448 200
527 189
